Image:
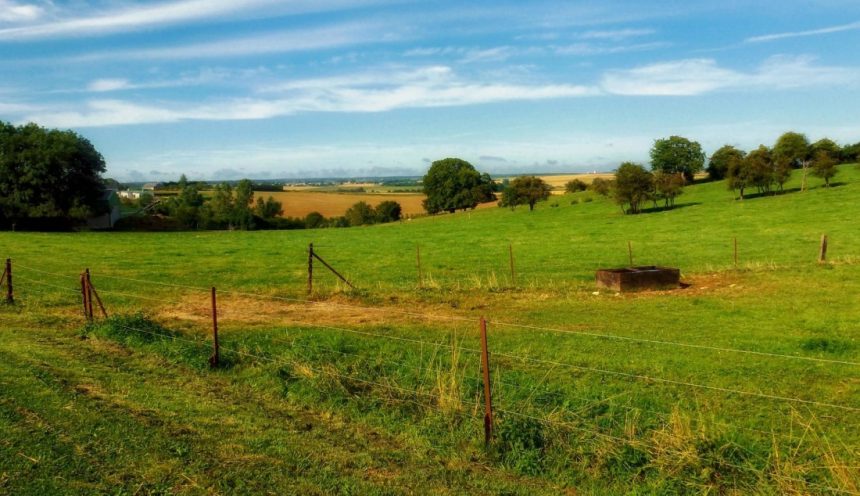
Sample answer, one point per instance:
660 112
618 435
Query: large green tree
525 190
47 177
677 155
759 169
452 184
791 150
723 160
633 187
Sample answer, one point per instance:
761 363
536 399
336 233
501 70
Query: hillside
745 382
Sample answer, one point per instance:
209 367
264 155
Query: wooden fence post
488 398
736 253
630 252
511 256
89 295
822 251
418 263
310 268
84 294
10 294
214 359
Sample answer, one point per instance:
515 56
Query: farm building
109 205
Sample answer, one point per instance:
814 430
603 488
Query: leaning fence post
95 293
488 399
822 251
310 268
213 360
10 294
511 256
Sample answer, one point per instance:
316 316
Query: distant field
301 203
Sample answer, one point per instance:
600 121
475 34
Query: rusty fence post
310 268
418 263
511 257
488 398
216 355
822 251
10 294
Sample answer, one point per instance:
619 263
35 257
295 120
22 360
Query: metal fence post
214 359
310 268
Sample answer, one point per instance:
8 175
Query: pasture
747 381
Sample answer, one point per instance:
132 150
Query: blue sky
222 89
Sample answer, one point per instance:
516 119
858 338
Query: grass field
746 382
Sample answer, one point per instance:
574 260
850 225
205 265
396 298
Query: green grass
312 400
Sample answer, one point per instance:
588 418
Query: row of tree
768 169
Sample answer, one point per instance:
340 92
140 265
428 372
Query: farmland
331 204
744 382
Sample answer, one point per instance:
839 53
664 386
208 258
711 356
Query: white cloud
379 91
796 34
268 43
616 35
102 85
16 12
161 14
699 76
588 49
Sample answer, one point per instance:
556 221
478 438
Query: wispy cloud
812 32
698 76
298 40
162 14
588 49
617 34
380 91
16 12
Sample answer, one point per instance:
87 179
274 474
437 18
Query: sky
265 89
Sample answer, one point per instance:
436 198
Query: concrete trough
639 278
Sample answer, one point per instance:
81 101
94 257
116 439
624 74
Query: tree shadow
770 194
652 210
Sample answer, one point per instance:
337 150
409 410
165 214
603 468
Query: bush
575 186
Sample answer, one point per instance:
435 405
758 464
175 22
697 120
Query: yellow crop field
301 203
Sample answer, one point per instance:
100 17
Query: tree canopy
452 184
677 155
47 177
633 186
724 160
525 190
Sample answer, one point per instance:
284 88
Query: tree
525 190
601 186
314 220
451 184
851 153
47 177
667 187
388 211
268 209
737 174
575 186
824 165
759 169
360 214
243 215
791 150
722 160
676 155
633 186
828 146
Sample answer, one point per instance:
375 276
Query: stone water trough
639 278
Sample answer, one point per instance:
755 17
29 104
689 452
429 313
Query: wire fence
517 379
